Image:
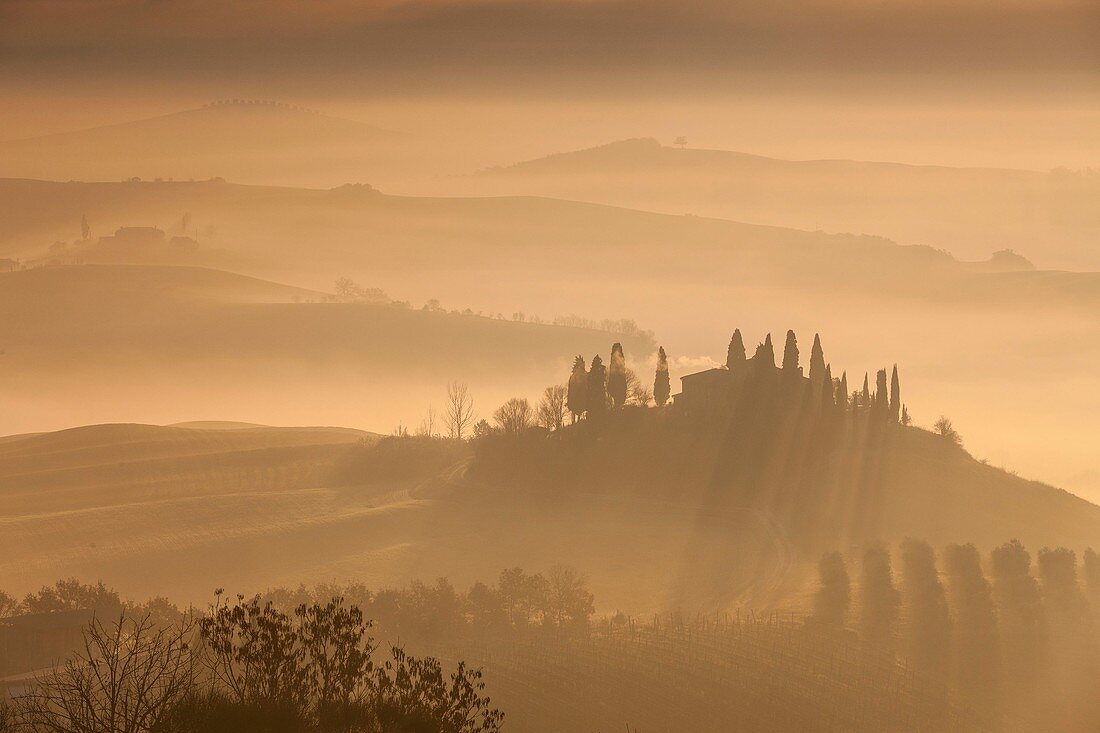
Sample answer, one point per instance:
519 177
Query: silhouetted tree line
293 660
1009 641
73 595
249 666
558 599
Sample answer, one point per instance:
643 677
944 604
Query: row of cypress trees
885 400
991 640
594 390
599 388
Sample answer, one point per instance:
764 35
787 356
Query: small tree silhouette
514 416
735 354
946 430
552 408
790 355
597 388
661 386
578 389
616 376
459 414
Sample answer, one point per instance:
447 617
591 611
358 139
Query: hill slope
688 278
175 511
170 344
969 211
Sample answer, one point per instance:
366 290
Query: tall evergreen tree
879 600
578 389
765 353
1092 579
596 399
827 402
895 395
1067 608
865 395
735 354
928 631
1020 614
616 376
817 363
882 397
834 592
790 355
976 647
661 387
842 392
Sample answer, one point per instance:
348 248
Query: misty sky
393 46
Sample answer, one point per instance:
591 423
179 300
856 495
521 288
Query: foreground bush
251 667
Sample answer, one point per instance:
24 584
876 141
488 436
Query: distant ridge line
259 103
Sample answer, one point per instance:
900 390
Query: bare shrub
459 413
125 678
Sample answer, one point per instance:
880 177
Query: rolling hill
176 511
170 344
1049 217
682 276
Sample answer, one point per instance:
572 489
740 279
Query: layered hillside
766 446
179 511
677 275
969 211
167 344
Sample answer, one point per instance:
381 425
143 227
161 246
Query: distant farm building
713 392
709 391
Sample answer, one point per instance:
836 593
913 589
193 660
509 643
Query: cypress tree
817 362
865 396
790 355
661 388
616 376
1020 613
879 600
928 632
578 389
834 592
842 392
735 354
597 388
976 645
765 353
882 397
1066 606
895 395
1092 579
827 403
905 419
